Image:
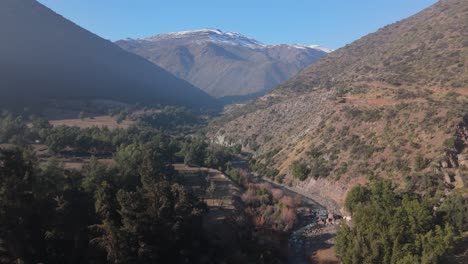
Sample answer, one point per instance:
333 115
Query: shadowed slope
43 56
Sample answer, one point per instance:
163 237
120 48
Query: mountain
392 104
224 63
45 57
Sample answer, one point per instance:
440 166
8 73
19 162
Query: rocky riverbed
314 232
318 223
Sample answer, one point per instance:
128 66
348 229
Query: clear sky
330 23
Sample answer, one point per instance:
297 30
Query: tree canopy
392 227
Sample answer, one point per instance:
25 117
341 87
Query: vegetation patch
391 227
299 170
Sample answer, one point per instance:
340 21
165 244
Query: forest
391 226
134 210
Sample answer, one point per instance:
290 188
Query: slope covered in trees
134 209
52 215
393 227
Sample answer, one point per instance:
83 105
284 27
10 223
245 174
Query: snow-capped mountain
229 38
225 63
209 35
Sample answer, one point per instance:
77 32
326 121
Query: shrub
280 178
314 151
456 84
233 174
420 162
319 168
299 170
455 211
195 152
371 115
404 94
449 143
363 150
277 194
401 165
356 196
342 169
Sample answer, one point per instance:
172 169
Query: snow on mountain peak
206 35
219 36
318 47
303 47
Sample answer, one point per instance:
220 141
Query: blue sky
330 23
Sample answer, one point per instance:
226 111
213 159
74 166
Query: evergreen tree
195 152
389 227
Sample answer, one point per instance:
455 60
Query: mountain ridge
225 35
375 107
392 52
224 63
47 57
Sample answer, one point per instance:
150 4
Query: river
302 241
306 236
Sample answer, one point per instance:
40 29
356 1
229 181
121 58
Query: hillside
428 49
224 63
392 104
44 57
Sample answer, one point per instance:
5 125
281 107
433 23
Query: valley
89 148
207 146
306 238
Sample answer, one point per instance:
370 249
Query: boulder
445 164
462 160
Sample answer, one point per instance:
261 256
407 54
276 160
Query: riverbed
308 235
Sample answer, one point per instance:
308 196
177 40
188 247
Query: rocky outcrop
463 160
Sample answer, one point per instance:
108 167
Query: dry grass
98 121
7 146
198 179
325 256
77 164
222 207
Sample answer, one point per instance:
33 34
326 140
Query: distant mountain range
45 57
224 63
